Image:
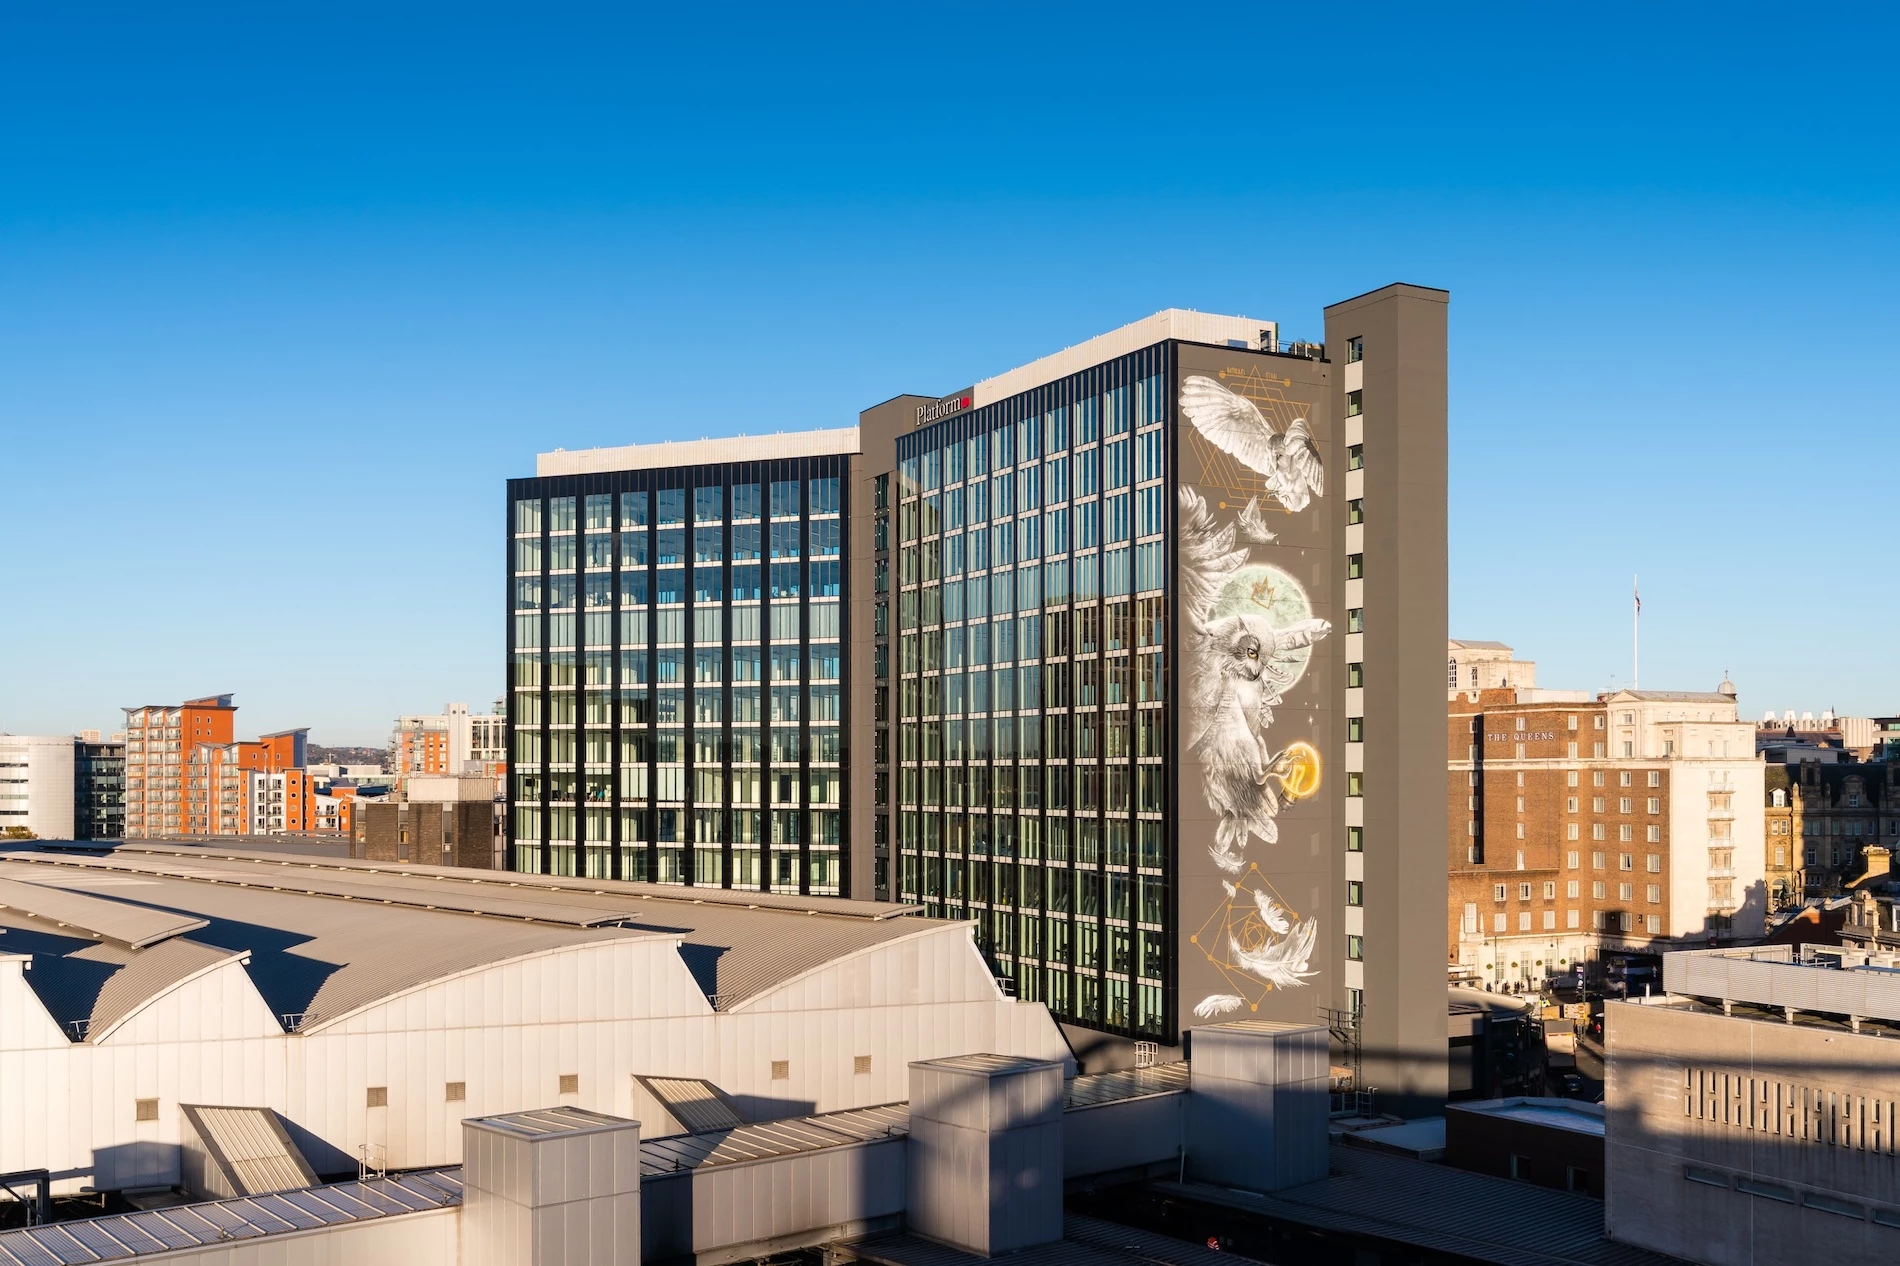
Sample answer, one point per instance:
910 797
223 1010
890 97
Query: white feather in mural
1218 1004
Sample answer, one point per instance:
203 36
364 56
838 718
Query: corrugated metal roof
695 1103
1476 1216
252 1148
1093 1089
122 921
989 1065
543 1122
324 956
221 1221
316 881
553 883
767 1139
148 973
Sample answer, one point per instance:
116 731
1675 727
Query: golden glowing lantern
1302 771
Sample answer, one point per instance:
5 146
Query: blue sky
287 293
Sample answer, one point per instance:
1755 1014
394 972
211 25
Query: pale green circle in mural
1263 589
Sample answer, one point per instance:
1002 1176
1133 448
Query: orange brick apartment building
186 774
1583 824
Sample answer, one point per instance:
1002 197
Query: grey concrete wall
878 429
1693 1172
1404 426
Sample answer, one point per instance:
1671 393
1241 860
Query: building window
1523 892
1355 893
1355 349
1355 784
1355 403
1356 948
1655 778
1355 839
1654 892
1355 456
1497 892
1356 510
1355 566
1355 729
1356 623
1355 676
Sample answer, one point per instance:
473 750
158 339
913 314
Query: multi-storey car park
1129 655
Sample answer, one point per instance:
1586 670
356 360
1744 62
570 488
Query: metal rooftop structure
221 1222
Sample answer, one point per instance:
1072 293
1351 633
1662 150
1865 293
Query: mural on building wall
1249 634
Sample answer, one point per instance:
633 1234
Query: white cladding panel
601 1011
36 784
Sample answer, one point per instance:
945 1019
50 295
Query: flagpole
1636 636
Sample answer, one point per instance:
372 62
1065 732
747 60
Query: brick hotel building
1129 655
1580 825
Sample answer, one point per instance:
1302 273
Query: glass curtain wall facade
678 675
1031 685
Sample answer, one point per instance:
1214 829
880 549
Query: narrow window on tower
1355 403
1355 349
1355 456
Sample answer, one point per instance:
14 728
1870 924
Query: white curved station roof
109 931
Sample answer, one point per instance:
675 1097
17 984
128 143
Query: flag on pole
1639 597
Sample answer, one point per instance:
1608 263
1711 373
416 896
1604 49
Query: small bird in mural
1289 459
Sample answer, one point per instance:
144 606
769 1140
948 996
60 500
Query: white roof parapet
1177 323
669 453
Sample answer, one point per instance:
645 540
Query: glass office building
1030 684
677 675
1129 656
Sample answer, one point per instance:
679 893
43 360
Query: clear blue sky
287 291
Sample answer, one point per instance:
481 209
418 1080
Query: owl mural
1249 630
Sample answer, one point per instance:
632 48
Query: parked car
1572 1083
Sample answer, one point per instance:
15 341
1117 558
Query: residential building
187 774
1750 1115
1581 825
1822 816
1064 606
1472 665
448 742
37 786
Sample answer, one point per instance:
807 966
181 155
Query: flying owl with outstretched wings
1234 424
